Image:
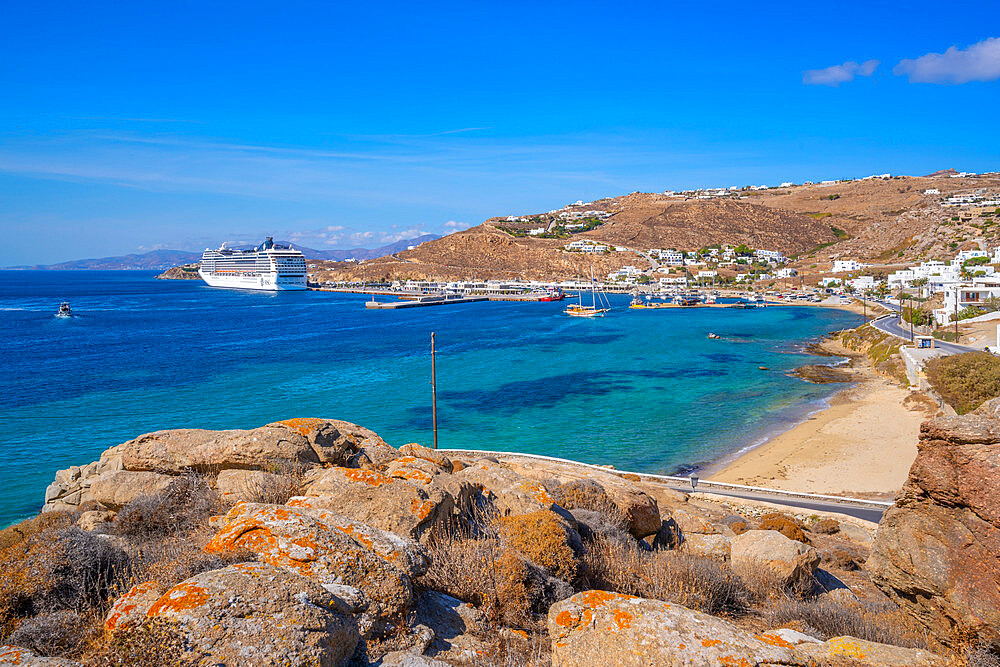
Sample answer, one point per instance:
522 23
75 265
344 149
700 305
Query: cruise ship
269 266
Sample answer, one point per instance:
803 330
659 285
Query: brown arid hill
888 221
639 220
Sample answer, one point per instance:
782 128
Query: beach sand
862 445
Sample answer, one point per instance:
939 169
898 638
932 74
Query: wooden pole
434 392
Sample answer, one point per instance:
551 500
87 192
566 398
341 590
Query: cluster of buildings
979 198
970 279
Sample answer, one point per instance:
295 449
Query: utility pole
434 392
957 292
911 319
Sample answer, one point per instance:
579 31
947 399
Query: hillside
886 222
639 221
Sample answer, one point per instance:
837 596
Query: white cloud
838 74
455 226
155 246
979 62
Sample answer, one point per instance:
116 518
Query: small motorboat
64 310
714 336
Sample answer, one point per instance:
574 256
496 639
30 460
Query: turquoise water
642 390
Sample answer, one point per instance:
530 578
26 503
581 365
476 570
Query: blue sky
132 126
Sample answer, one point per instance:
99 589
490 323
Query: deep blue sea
642 390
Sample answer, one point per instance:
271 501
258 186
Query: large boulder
333 441
258 614
710 546
330 548
598 627
638 509
180 450
937 551
373 497
510 492
117 489
858 651
457 626
791 562
130 609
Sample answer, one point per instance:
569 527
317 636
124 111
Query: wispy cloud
455 226
979 62
838 74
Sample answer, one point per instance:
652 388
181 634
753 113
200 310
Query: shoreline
861 443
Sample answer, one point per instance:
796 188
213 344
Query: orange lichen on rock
537 492
622 619
412 475
709 643
182 597
304 426
732 661
598 599
844 646
774 640
127 604
369 477
421 509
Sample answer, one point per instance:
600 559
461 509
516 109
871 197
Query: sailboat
580 310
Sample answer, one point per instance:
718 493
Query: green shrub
965 381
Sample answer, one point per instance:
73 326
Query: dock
424 301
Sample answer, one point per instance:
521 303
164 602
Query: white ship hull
267 282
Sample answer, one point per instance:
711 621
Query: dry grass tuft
542 538
785 525
699 583
55 634
825 527
183 506
877 622
478 571
19 532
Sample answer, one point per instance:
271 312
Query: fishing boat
686 300
64 310
580 310
714 336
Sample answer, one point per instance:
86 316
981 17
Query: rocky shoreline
186 272
313 541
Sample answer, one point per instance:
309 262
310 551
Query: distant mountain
158 260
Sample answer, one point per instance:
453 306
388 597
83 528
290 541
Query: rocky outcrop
258 614
591 627
391 503
333 441
116 489
181 450
598 627
937 551
791 562
331 549
130 609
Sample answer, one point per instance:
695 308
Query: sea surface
641 390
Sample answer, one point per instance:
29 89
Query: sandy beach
862 444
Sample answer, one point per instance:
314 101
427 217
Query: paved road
866 513
891 324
